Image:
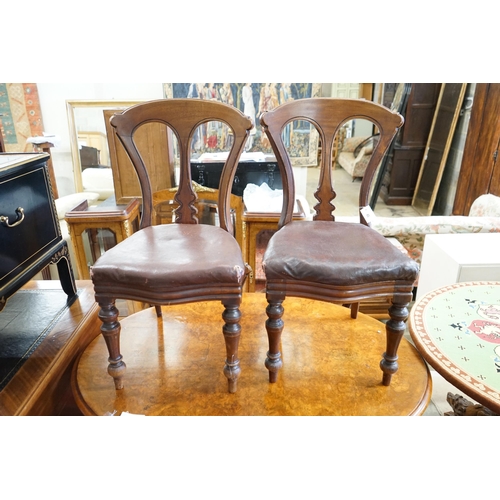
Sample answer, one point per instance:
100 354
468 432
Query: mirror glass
89 145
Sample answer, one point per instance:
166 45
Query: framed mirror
438 146
89 144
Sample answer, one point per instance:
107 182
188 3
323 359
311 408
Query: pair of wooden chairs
188 262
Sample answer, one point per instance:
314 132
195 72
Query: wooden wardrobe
480 171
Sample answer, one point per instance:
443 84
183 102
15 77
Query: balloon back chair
181 262
323 259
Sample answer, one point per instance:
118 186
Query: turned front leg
395 328
231 331
110 330
274 327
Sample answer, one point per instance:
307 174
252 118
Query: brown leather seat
192 247
324 259
181 262
324 255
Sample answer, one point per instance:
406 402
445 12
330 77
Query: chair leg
231 331
274 327
354 310
110 330
395 328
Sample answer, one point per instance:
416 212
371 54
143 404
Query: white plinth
454 258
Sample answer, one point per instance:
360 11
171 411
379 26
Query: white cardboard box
454 258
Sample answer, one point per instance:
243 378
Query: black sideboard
248 172
30 236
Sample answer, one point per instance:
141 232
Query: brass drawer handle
20 217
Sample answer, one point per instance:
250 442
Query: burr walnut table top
174 365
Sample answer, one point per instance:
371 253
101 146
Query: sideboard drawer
24 242
30 237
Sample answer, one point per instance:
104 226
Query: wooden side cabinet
121 220
258 227
30 236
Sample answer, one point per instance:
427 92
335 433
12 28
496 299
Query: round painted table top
457 330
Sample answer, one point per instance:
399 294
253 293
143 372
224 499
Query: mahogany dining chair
181 262
323 259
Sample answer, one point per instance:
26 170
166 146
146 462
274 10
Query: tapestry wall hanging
253 99
20 115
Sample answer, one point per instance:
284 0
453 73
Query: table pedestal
174 365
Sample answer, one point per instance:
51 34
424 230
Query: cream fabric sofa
98 180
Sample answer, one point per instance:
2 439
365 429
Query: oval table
174 365
456 328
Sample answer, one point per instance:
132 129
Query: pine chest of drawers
30 237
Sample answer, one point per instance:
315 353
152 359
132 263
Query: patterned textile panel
21 115
253 99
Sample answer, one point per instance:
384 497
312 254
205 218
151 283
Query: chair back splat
324 259
183 116
182 262
327 115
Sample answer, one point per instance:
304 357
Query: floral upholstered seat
484 217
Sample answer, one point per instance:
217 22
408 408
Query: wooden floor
174 365
41 386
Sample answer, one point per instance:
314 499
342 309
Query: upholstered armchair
355 155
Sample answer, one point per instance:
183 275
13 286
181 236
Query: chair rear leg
274 327
395 328
110 330
232 331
